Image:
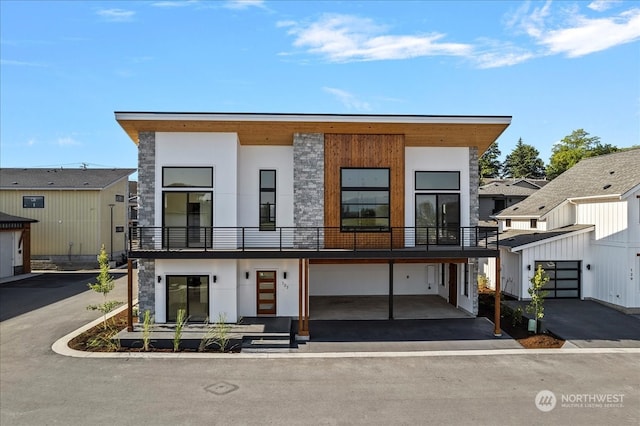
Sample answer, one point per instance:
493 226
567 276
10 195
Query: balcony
312 242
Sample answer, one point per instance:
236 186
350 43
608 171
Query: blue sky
555 66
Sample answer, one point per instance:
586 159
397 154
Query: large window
364 199
267 200
188 219
437 213
437 218
187 216
188 292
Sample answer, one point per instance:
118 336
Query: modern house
498 194
15 245
77 210
583 228
261 214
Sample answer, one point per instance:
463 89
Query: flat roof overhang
453 253
278 129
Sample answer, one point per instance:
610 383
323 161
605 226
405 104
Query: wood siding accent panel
363 150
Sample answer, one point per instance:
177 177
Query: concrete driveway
589 324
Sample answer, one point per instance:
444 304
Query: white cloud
602 5
116 15
593 35
573 34
67 141
347 99
174 3
345 38
21 63
243 4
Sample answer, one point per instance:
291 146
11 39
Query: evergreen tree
523 162
489 163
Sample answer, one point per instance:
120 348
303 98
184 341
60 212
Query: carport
377 307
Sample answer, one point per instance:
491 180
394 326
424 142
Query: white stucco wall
370 279
252 159
222 293
436 159
217 150
286 289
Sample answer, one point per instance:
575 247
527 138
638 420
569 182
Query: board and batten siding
610 218
560 216
571 248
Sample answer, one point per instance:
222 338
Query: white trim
313 118
573 200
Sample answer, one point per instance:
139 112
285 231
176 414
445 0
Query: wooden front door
453 284
266 292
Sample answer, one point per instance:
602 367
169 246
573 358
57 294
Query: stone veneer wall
308 184
474 212
146 217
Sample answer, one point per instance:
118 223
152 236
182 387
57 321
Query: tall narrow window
267 200
364 200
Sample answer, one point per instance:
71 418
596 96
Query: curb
61 347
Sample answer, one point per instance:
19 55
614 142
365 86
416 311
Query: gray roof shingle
52 179
612 174
517 238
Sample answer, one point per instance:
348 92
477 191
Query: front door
453 284
266 292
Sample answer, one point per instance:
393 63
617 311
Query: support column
496 311
306 296
303 328
390 289
129 294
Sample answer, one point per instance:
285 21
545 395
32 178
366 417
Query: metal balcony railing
174 238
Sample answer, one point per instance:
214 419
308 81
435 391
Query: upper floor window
533 223
364 199
119 198
429 181
507 223
267 200
33 202
187 177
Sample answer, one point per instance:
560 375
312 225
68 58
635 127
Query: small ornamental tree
103 285
537 293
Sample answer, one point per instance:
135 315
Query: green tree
103 285
537 293
489 163
523 162
573 148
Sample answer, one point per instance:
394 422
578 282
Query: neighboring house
498 194
15 245
78 211
252 214
583 228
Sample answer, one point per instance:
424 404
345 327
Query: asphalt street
40 387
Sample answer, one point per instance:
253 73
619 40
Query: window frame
440 234
165 168
34 204
268 225
417 172
387 189
166 280
533 223
208 237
